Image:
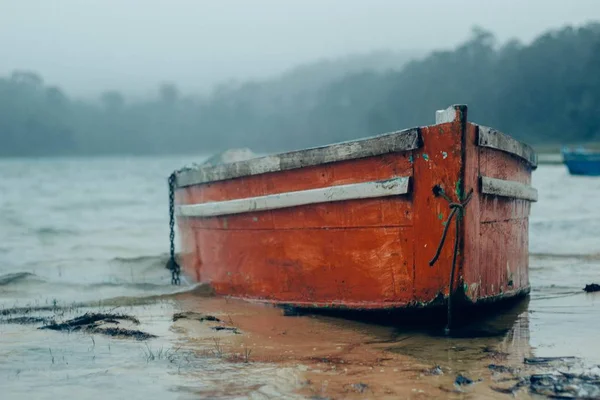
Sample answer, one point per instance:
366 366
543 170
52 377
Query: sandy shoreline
192 344
335 358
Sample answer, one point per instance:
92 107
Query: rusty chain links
172 263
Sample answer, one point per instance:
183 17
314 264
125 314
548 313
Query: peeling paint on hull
366 252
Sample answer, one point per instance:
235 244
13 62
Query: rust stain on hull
368 253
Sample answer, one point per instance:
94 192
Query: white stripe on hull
365 190
512 189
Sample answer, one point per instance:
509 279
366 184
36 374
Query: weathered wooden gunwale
494 139
354 191
403 140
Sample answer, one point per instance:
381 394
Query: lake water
91 234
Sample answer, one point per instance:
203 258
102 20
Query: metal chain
456 208
172 263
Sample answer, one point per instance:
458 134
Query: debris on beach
195 316
502 369
120 332
437 370
226 328
28 310
200 317
494 354
545 361
92 323
88 319
592 287
27 320
513 388
462 380
553 383
585 385
359 387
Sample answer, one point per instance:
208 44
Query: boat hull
582 162
355 225
584 168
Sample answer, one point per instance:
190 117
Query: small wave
146 262
149 286
197 290
129 285
15 277
141 259
48 231
29 309
94 205
9 219
21 277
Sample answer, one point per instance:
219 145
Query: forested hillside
547 91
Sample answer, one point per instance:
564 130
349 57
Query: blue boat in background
582 161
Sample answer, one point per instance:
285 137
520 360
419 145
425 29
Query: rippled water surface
80 235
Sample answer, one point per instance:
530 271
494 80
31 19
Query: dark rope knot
456 208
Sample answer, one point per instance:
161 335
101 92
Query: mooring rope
456 208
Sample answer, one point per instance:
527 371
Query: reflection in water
502 335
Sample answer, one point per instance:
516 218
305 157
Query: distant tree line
547 91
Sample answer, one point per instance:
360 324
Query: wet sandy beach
67 256
337 358
217 347
340 358
226 348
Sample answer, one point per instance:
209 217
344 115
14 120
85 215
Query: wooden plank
495 208
376 168
504 245
472 266
490 137
365 190
511 189
404 140
316 266
500 165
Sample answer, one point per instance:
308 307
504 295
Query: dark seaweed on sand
90 322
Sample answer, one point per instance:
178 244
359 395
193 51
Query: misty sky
87 46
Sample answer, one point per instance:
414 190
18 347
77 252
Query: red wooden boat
391 221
